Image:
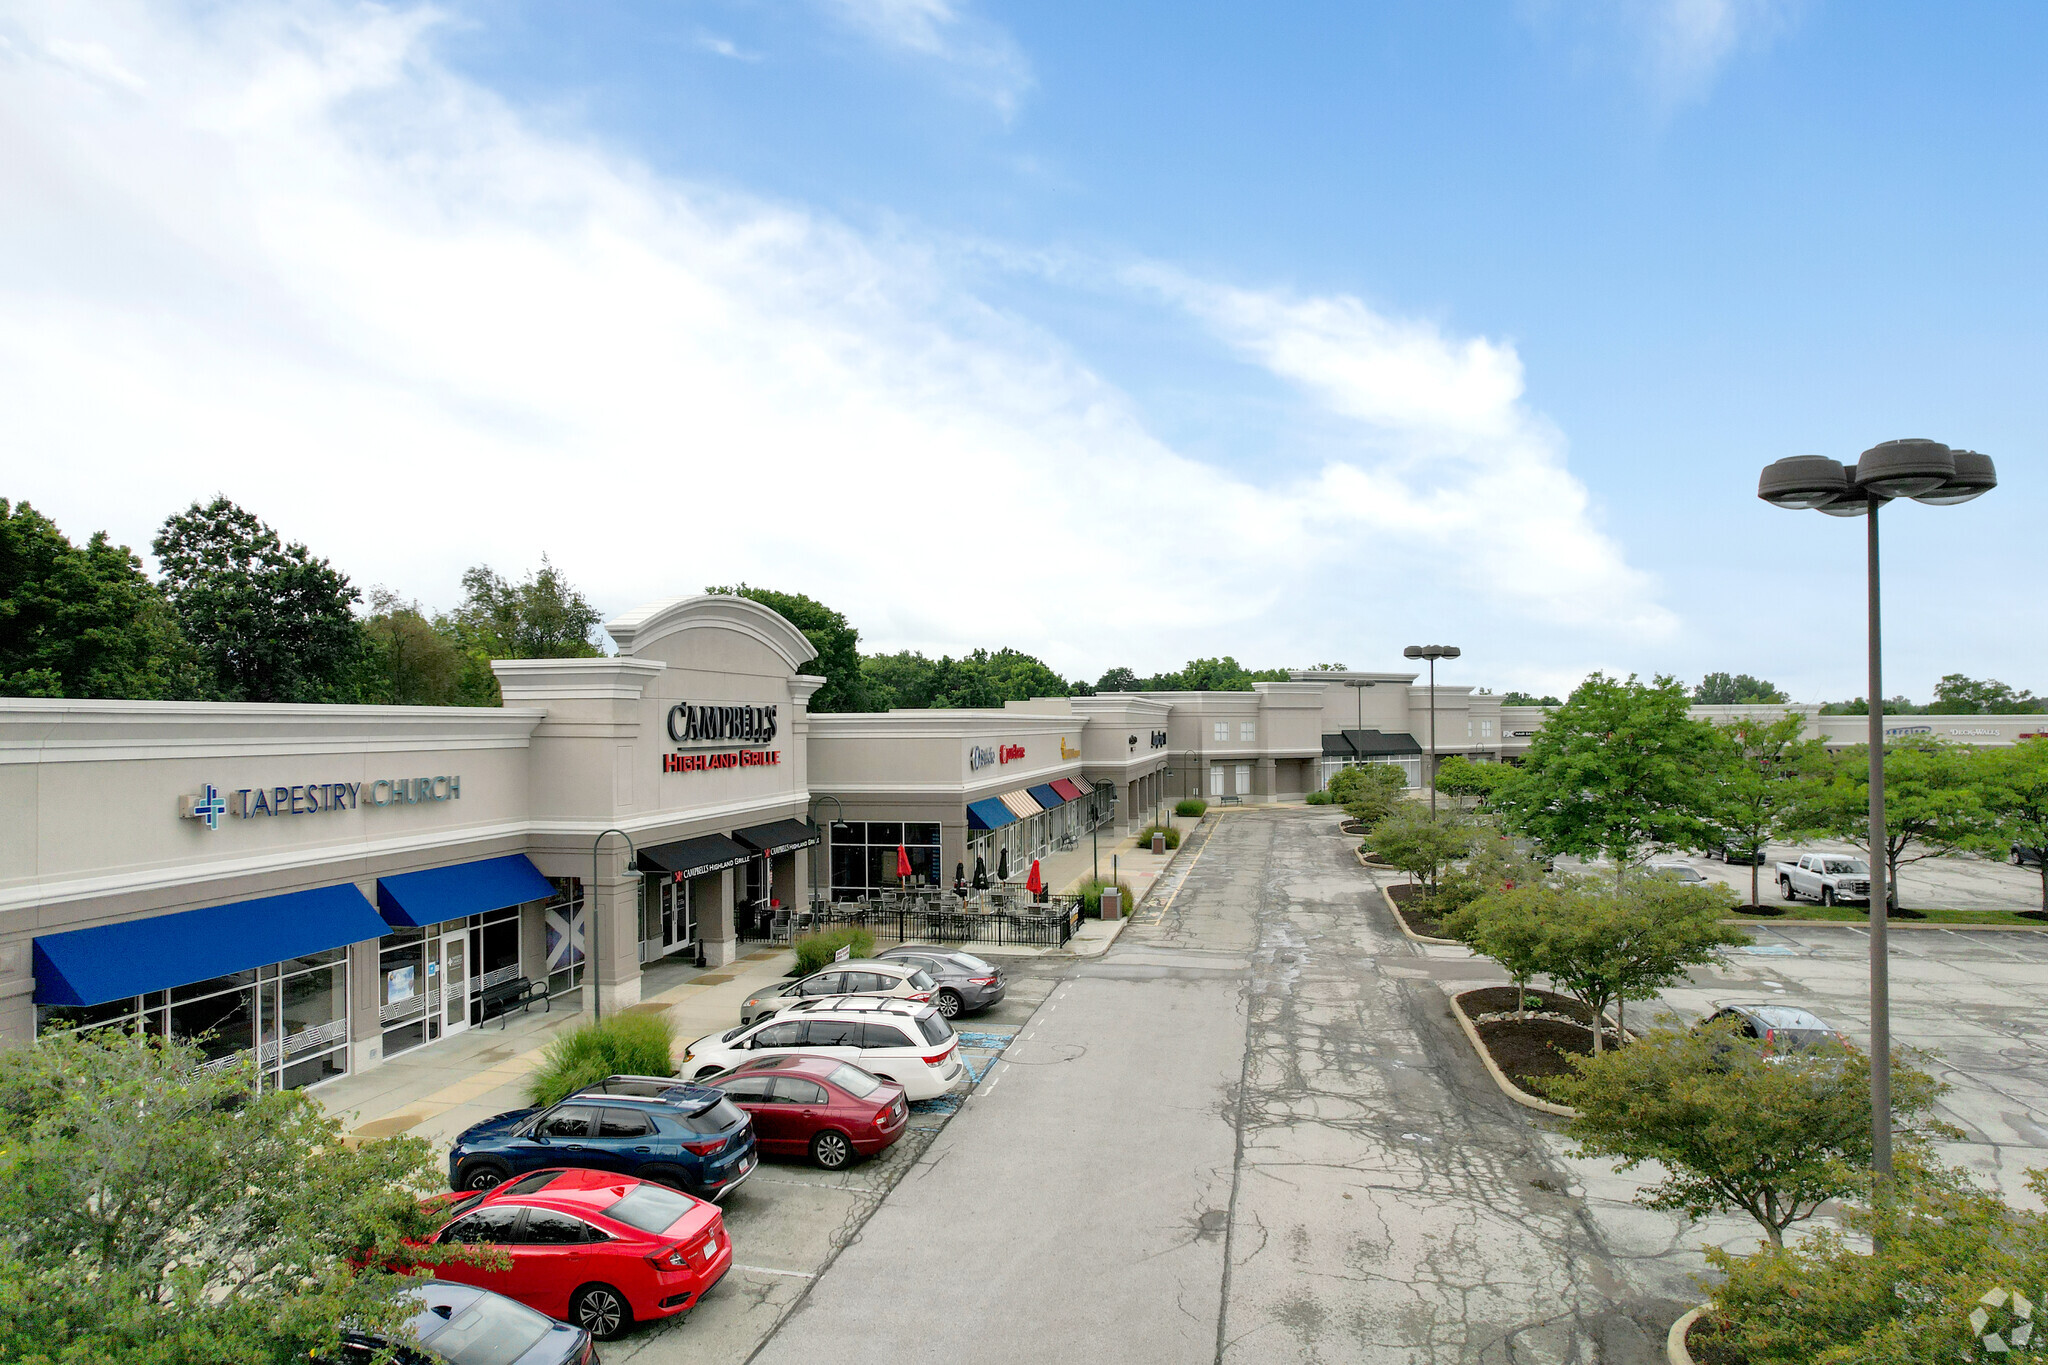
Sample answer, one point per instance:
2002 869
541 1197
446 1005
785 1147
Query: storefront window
564 918
864 856
402 989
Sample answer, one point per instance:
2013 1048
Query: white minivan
903 1041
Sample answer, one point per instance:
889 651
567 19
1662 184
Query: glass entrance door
455 982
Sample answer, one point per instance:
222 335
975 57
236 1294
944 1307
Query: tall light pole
1431 653
1929 472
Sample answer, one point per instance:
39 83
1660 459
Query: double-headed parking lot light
1925 471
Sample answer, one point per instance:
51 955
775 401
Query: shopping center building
323 887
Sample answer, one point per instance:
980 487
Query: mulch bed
1761 911
1412 904
1528 1051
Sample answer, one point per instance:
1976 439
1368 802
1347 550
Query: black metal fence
1048 925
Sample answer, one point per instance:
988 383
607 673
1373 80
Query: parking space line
770 1270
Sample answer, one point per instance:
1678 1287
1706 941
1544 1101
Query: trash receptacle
1159 843
1112 903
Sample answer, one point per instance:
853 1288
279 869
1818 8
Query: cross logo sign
208 806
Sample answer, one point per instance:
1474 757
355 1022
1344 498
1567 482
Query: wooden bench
521 991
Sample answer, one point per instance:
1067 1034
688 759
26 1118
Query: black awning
693 857
1336 746
778 836
1375 744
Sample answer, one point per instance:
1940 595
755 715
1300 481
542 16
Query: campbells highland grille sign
691 723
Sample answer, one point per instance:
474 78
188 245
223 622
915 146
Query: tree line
237 613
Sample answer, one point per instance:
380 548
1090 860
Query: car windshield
527 1184
651 1208
854 1081
733 1033
972 963
935 1029
1798 1037
713 1118
1849 865
492 1331
920 981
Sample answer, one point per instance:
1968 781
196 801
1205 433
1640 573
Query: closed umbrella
960 880
902 863
1003 866
1034 883
980 873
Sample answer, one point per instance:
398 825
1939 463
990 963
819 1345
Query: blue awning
111 961
1049 796
414 900
989 813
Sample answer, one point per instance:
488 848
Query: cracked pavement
1251 1131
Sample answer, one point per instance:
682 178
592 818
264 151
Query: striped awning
1021 803
1067 787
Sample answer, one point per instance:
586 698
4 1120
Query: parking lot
790 1218
1962 882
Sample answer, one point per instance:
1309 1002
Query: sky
1121 335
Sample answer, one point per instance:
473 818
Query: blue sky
1120 335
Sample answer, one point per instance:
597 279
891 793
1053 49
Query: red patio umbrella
1034 883
902 863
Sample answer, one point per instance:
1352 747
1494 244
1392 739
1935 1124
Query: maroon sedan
816 1106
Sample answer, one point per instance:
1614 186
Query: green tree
1760 771
153 1210
1933 802
1225 675
1956 695
837 643
1722 689
1015 676
1419 841
1367 791
1481 783
2013 785
1117 680
1527 699
1618 766
269 622
1511 925
1735 1129
83 622
411 661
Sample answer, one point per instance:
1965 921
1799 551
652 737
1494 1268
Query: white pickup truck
1825 877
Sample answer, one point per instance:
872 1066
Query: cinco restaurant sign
315 798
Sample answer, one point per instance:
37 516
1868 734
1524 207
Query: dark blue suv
682 1135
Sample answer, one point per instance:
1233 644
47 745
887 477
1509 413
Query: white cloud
300 261
1676 49
725 47
979 55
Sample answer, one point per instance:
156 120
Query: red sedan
592 1248
816 1106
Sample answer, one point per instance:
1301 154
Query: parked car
1684 872
863 976
1825 877
966 984
816 1106
1781 1029
688 1137
898 1040
1729 855
2023 854
596 1249
460 1324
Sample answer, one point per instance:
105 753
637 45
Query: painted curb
1674 1345
1507 1087
1402 924
1754 923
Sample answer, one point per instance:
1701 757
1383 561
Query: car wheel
483 1174
949 1004
2015 859
1785 892
831 1150
601 1311
1827 896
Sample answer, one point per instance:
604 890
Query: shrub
1189 805
1420 842
1091 896
814 951
1318 798
633 1044
1172 835
1368 792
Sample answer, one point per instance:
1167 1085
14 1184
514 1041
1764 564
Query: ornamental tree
2014 788
1934 802
1619 766
1461 779
1511 926
1760 773
1735 1129
152 1210
1419 841
1368 791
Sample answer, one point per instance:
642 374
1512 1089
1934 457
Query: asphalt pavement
1250 1131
